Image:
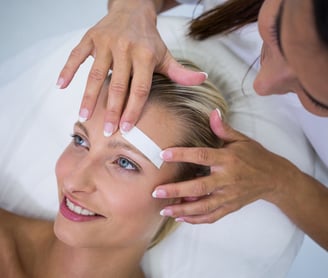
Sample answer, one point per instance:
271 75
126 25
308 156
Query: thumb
179 74
223 130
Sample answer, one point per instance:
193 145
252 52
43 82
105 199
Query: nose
82 179
274 76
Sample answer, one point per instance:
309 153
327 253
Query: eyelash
77 142
316 104
132 164
274 30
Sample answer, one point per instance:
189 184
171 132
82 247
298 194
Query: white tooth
78 209
86 212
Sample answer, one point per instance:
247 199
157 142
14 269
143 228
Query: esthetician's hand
126 40
241 172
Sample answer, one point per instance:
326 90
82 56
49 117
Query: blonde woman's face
110 182
293 58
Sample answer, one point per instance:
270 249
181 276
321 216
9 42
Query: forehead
155 121
304 51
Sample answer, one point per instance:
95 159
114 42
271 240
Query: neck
67 261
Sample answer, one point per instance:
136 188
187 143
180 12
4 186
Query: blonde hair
191 106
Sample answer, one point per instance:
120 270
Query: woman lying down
107 217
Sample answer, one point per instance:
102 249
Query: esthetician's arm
242 172
126 40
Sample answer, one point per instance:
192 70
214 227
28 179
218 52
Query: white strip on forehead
144 144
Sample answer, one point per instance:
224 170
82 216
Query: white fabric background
24 22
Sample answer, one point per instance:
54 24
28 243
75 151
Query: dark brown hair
225 18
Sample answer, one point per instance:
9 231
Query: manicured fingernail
166 212
165 155
219 113
205 73
60 82
125 127
179 219
108 129
159 193
83 116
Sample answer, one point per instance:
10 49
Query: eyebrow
277 24
116 144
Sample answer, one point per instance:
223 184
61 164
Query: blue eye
126 164
79 141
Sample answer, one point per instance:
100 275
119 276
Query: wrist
148 8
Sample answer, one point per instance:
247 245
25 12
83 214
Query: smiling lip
76 213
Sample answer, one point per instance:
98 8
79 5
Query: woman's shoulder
9 259
18 236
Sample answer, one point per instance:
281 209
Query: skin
128 51
243 171
282 70
91 173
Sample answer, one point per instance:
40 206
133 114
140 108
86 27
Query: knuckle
200 188
97 74
117 88
148 55
124 45
76 52
141 91
202 155
205 207
210 219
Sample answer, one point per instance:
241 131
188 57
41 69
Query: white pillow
37 119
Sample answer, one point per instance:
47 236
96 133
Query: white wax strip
144 144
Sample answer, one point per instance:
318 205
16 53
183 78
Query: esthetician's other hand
241 172
126 40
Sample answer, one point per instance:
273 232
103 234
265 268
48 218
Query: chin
68 235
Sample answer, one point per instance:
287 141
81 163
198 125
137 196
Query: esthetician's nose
82 178
275 76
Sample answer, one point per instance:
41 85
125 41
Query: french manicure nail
60 82
166 212
159 193
179 219
125 127
108 129
83 116
219 113
165 155
205 73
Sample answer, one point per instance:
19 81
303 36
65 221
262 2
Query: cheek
64 166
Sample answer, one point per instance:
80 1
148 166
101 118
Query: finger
96 78
75 59
178 73
197 155
192 188
139 91
203 206
117 92
206 218
223 130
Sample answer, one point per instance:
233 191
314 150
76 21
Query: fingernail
165 155
83 116
60 82
219 113
179 219
108 129
125 127
205 73
159 193
166 212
